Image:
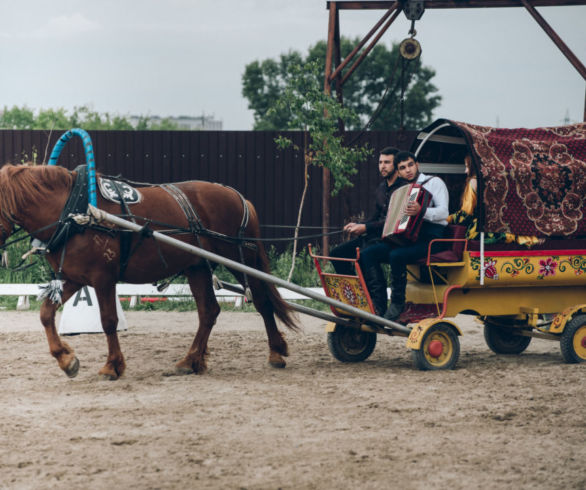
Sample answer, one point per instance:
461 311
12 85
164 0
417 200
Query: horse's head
28 196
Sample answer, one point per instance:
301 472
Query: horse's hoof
187 366
73 368
276 361
183 370
108 375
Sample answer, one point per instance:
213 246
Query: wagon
530 183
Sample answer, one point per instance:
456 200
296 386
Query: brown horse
33 197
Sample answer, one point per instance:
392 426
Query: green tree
308 108
80 117
263 83
17 118
376 84
52 119
164 124
85 117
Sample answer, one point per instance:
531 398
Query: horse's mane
19 184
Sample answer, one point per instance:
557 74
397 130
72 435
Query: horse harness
77 203
197 228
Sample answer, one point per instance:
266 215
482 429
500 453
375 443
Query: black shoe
377 287
394 311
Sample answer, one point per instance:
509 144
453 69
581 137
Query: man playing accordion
370 232
433 226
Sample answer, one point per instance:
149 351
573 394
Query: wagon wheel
504 340
351 345
440 348
573 340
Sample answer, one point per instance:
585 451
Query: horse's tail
283 311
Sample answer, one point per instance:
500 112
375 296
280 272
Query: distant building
183 122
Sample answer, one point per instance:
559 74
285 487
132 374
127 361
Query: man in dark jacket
370 232
433 227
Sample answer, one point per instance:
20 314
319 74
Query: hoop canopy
530 181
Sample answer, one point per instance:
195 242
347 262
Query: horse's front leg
200 282
59 349
115 365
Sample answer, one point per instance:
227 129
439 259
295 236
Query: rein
172 230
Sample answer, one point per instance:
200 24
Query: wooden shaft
101 215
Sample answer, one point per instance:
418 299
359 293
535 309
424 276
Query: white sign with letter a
81 314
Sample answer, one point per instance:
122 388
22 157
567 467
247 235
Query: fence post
23 303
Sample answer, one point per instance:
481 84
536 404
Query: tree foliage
57 119
306 107
376 82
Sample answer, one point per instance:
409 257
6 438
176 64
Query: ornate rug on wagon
533 181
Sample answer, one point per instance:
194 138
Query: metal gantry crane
338 71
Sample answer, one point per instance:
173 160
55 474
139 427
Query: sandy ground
494 422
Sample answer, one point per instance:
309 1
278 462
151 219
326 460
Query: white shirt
438 209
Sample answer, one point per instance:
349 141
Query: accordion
400 225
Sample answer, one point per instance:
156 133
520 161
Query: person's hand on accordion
412 208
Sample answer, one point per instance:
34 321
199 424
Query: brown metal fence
249 161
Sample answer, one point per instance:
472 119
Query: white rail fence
145 292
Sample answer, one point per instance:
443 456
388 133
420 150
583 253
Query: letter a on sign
81 314
83 295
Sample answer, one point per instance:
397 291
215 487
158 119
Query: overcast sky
187 57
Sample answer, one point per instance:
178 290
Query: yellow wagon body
530 184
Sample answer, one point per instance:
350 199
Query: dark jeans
400 256
347 250
373 275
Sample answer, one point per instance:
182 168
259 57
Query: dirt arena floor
494 422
